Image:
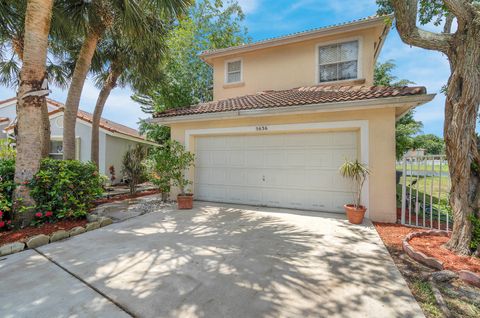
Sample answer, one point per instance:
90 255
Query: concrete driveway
217 260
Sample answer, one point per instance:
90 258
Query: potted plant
357 172
182 160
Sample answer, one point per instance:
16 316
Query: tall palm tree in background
95 18
12 30
30 138
127 61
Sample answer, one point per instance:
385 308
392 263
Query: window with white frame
233 72
338 61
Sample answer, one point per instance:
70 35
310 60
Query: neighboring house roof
299 36
310 95
4 119
88 117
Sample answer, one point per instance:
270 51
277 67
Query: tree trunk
82 67
461 114
30 127
109 84
18 47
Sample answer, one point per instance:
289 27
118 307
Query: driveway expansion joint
124 309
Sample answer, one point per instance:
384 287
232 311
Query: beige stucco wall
381 139
291 65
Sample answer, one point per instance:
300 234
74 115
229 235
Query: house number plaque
261 128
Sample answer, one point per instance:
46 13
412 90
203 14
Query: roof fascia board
412 101
333 30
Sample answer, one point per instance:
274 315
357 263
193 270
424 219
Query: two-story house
287 112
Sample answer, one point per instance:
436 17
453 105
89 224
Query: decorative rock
59 235
469 277
11 248
77 230
92 217
105 221
444 276
38 240
92 226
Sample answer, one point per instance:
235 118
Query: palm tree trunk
82 67
30 126
108 85
18 47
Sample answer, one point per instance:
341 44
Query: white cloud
249 6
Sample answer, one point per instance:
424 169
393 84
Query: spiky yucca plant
357 172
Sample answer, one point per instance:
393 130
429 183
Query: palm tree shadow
224 261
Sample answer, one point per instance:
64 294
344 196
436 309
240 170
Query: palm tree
12 29
124 61
29 104
102 15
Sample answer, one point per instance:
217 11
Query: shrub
475 243
133 166
6 150
67 188
167 164
7 186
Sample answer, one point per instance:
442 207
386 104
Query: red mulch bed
124 197
393 234
23 234
432 246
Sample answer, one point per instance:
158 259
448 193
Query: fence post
404 189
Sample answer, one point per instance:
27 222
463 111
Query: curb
42 239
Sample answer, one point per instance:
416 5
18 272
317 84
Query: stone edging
42 239
465 275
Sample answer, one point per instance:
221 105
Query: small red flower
48 213
38 214
9 222
2 224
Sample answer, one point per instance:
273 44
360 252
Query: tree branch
459 8
447 28
406 22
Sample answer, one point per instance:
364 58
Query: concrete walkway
214 261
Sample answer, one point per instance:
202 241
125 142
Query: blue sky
270 18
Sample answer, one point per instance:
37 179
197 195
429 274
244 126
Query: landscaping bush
133 166
65 188
7 185
475 243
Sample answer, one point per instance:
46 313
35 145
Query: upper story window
233 72
338 62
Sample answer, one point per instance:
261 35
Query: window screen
234 71
338 61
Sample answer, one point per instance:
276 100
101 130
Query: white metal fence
423 187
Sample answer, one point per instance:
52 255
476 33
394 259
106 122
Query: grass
423 293
423 191
415 167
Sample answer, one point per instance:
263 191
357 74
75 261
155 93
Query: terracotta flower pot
185 202
355 215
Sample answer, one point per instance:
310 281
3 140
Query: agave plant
357 172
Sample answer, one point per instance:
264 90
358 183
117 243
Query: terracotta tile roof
295 97
372 18
88 117
104 123
4 119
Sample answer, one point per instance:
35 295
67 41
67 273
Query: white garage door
283 170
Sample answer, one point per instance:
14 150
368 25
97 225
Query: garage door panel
254 158
236 158
274 158
280 170
236 176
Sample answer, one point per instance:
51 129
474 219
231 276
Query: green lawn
422 191
419 166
